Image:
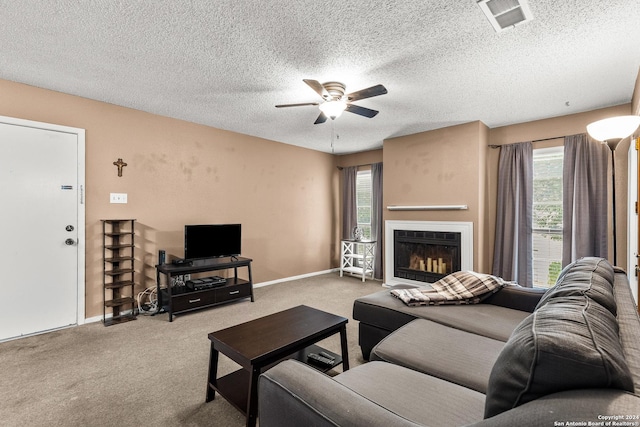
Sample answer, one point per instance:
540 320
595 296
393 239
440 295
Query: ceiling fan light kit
333 109
335 101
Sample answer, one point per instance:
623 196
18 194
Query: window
547 215
363 202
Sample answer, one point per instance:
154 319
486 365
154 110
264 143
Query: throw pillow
588 276
569 343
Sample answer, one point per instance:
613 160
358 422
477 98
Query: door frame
633 220
80 135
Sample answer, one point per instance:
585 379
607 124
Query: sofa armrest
294 394
517 297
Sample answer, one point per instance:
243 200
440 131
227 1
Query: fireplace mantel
464 228
428 208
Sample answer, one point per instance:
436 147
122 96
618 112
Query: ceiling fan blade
367 93
297 105
356 109
321 119
317 86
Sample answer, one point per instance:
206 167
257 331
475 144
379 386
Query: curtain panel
377 221
513 252
585 201
349 212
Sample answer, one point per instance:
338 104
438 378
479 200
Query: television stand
176 299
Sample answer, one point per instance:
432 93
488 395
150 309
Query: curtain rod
535 140
365 164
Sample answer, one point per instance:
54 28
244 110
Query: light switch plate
118 197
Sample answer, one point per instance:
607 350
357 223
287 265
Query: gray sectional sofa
567 356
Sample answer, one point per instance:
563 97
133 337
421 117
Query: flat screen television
212 240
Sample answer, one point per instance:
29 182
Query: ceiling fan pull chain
332 135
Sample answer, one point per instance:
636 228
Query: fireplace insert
425 256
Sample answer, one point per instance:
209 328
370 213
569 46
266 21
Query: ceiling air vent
505 14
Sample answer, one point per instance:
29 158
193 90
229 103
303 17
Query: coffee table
261 343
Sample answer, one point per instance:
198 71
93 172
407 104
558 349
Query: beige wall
365 158
456 166
440 167
559 127
286 197
181 173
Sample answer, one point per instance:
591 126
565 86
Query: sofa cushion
386 312
451 354
293 394
588 276
417 397
568 343
517 297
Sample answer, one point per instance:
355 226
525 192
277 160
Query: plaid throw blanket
461 287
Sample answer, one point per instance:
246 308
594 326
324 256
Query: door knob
69 242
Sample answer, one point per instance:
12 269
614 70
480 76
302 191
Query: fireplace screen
425 256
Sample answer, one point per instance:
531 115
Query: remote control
320 359
327 355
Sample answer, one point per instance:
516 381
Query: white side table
358 258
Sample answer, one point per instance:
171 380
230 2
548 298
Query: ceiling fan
335 101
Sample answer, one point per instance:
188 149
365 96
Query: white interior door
633 245
41 227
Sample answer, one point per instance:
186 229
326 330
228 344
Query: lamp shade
333 109
613 128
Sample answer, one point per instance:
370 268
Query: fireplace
425 256
425 251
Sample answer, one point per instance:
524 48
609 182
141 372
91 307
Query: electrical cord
152 295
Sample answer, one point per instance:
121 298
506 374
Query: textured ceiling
228 63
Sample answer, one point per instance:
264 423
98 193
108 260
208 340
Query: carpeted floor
150 371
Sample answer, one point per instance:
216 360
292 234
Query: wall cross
120 164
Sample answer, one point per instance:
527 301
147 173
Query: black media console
176 297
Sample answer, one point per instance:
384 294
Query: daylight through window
363 202
547 215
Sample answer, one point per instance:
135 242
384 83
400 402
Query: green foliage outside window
554 271
547 192
548 217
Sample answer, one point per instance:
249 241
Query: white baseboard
99 318
94 319
255 285
288 279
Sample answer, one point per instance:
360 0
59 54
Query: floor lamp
611 131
